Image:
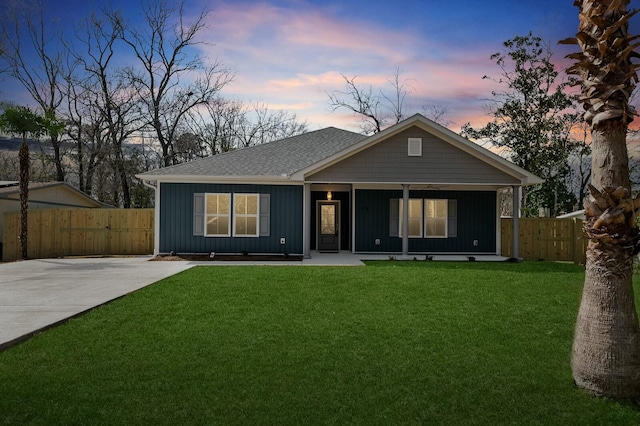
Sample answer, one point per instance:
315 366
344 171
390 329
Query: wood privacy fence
546 239
80 232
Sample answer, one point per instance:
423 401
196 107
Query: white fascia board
260 180
422 186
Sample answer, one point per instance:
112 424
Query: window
217 215
440 218
415 147
415 217
435 218
245 215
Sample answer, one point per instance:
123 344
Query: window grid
245 217
218 215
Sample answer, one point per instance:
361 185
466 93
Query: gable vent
415 147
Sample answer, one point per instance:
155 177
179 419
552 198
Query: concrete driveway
37 294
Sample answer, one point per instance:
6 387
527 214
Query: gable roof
442 133
9 188
276 160
295 158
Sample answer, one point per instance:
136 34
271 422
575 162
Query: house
42 195
335 190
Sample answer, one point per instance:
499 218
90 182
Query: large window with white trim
245 215
428 218
415 218
435 212
217 215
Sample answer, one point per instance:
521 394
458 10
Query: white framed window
415 218
245 215
217 215
415 147
435 218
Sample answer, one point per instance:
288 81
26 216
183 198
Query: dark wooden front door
328 226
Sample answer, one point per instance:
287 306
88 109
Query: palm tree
22 121
606 347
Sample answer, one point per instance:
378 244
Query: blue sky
290 54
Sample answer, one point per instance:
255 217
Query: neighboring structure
333 190
42 195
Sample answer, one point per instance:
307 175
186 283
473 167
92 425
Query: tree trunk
606 348
23 155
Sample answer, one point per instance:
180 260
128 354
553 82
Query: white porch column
405 220
516 222
306 221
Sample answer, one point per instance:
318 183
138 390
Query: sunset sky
290 54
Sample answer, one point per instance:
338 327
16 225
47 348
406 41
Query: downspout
156 216
405 220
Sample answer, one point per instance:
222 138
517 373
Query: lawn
390 343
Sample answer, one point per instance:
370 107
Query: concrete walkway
38 294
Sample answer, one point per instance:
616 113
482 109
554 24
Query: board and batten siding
177 220
388 161
475 220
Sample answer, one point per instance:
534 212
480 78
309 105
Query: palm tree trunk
23 155
606 348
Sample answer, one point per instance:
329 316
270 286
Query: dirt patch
228 258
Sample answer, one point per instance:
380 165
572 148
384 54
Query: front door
328 225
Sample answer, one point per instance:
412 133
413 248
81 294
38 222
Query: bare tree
172 81
380 107
112 97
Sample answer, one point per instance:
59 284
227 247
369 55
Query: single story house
42 195
414 188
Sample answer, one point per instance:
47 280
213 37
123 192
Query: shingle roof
278 158
14 187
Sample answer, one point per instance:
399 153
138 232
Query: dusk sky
290 54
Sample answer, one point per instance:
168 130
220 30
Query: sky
290 54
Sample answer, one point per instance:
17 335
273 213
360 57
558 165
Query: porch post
516 222
306 221
405 220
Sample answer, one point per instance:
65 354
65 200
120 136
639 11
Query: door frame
338 222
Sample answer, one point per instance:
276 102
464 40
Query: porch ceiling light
329 195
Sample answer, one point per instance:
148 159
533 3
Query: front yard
390 343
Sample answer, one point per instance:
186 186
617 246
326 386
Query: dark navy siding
176 220
476 220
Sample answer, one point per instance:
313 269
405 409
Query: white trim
414 147
446 218
228 215
236 215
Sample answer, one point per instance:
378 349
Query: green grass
391 343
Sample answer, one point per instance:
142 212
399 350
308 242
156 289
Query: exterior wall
476 220
388 161
176 220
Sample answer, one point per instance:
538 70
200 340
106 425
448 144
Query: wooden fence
546 239
80 232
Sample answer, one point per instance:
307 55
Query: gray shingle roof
277 158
